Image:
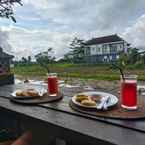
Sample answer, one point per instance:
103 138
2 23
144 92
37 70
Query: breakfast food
19 93
85 100
32 92
81 97
88 103
27 92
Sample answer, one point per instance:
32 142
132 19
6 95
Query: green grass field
76 71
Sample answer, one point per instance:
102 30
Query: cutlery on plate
42 91
103 105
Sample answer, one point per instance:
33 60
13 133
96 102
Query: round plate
37 100
113 99
22 97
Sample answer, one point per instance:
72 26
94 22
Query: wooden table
72 128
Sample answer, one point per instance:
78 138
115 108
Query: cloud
86 15
51 23
135 34
4 37
30 42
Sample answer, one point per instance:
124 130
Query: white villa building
105 49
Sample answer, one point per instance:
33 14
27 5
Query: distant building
5 61
105 49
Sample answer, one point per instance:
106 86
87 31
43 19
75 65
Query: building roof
105 39
5 55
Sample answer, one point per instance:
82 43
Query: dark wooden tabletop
76 128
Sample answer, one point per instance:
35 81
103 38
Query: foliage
133 56
77 71
77 50
123 60
6 9
24 60
29 59
68 57
45 58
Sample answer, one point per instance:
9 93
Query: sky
54 23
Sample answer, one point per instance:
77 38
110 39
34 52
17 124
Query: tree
123 60
6 9
77 47
68 57
45 58
143 59
133 56
29 59
24 60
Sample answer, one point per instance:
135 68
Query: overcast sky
53 23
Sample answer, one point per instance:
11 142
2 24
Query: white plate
113 99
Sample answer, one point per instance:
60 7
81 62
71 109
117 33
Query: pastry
25 93
80 98
88 103
19 93
28 92
32 92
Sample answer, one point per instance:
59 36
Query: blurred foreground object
6 8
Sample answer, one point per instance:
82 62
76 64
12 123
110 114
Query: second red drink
52 84
129 92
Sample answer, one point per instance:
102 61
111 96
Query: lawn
97 72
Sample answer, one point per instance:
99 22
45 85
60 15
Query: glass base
52 94
129 108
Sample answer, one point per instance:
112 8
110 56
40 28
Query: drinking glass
129 92
52 84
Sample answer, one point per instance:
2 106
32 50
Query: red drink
52 84
129 93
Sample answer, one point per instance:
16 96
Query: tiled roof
105 39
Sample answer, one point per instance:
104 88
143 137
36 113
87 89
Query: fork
103 104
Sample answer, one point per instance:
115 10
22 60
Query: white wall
97 49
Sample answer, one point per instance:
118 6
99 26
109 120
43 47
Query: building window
87 51
97 49
120 47
113 48
104 49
